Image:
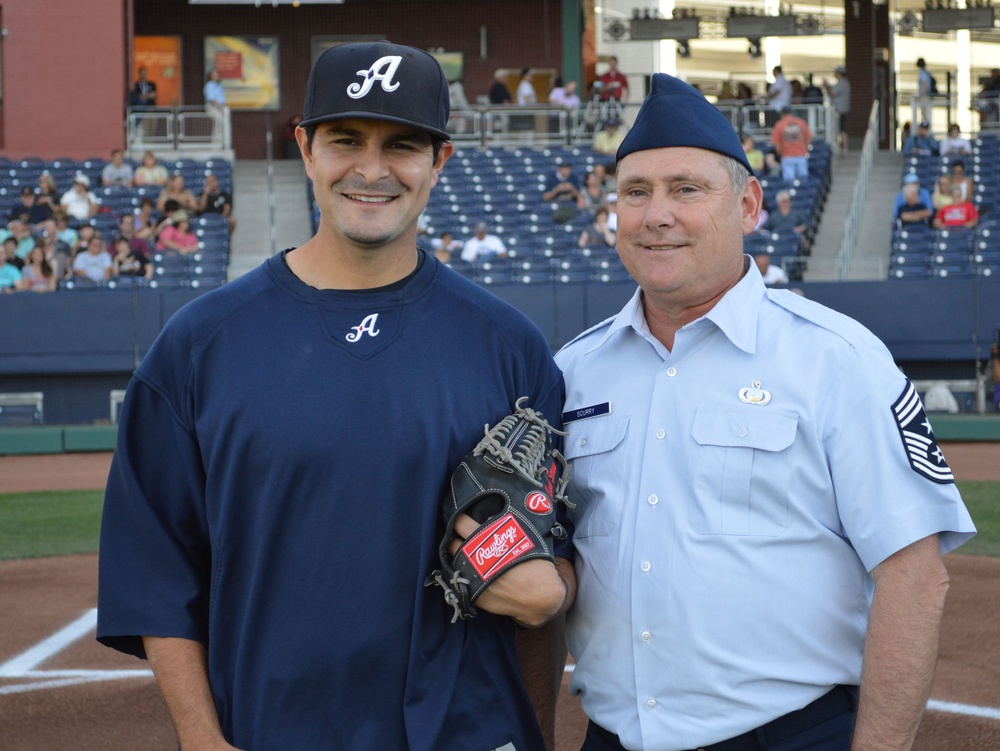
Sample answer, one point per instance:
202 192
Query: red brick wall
63 77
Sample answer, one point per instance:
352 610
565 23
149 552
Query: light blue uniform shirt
214 92
731 500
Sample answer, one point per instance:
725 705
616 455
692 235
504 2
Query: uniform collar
735 314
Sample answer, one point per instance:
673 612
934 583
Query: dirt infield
60 690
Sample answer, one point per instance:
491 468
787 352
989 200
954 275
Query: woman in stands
961 179
175 190
150 172
177 235
48 192
146 221
594 195
599 234
37 273
942 192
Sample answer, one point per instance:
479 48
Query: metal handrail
178 128
856 209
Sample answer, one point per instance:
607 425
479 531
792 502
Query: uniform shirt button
653 500
671 372
651 703
660 434
743 432
645 636
583 441
646 566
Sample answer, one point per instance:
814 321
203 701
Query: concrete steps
253 242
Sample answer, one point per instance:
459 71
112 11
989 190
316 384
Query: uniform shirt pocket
742 470
594 450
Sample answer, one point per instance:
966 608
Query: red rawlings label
496 545
538 503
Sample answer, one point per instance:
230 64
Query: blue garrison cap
677 114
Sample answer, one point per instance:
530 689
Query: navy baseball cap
378 81
677 114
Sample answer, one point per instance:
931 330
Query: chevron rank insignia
918 439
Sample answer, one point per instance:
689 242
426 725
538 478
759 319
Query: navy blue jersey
276 495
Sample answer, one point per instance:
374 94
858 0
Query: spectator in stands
923 143
924 196
609 138
10 252
797 91
64 233
769 273
962 180
955 143
94 262
215 200
754 155
565 96
150 172
176 234
987 101
117 171
79 202
21 233
925 85
779 93
526 95
129 261
126 230
483 245
563 191
785 218
942 192
146 220
594 194
10 275
28 210
959 213
791 138
86 232
598 233
175 190
840 99
37 273
499 93
48 191
445 246
144 92
913 210
58 251
614 83
606 173
215 94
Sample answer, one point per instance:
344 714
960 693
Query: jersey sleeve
155 562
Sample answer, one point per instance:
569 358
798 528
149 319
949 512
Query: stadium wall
76 347
64 64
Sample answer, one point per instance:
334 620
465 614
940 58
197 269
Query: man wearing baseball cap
274 505
751 468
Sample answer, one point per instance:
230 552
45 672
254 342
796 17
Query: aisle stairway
252 241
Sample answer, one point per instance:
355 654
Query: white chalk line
24 665
933 705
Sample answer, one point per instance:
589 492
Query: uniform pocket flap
750 427
594 436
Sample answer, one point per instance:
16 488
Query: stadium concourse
61 691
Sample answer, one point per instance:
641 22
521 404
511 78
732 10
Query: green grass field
35 525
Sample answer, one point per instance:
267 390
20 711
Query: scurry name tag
586 412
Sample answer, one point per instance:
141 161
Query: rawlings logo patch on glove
510 483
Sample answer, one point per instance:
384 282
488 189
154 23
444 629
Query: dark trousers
824 725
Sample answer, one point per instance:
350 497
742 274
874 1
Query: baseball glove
510 483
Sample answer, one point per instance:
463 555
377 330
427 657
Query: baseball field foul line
24 664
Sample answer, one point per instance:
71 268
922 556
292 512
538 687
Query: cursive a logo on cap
367 326
382 71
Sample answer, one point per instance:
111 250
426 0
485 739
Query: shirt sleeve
155 561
